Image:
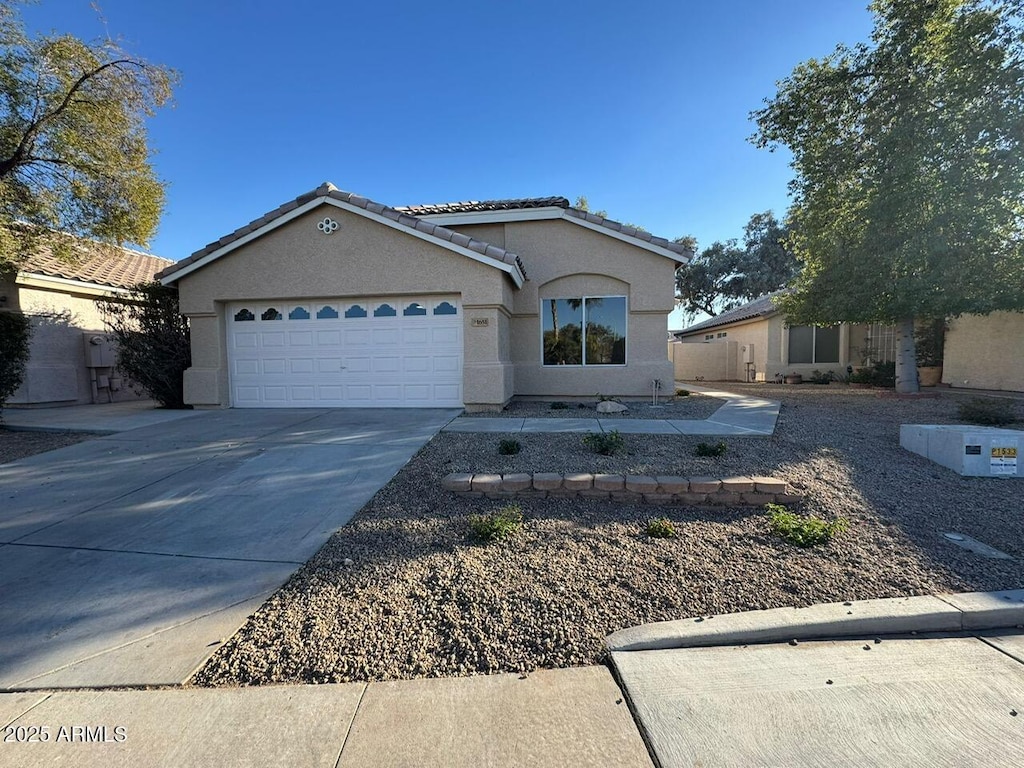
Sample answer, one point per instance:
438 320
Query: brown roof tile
104 265
401 216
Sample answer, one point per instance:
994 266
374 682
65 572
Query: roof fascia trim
39 280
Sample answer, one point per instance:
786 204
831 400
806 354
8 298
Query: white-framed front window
584 330
813 344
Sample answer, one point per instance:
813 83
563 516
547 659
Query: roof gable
328 194
538 208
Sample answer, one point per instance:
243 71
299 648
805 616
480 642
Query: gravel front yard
18 445
422 598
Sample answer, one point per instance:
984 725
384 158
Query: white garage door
367 352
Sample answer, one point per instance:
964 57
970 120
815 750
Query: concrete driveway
128 559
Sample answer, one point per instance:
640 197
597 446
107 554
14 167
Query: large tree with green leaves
909 169
725 275
74 156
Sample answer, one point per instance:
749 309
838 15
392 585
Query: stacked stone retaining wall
649 489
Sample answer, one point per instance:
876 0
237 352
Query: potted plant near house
794 378
929 339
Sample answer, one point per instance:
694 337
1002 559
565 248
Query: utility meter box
969 451
747 352
99 351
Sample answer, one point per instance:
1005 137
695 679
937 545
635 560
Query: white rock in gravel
610 406
348 561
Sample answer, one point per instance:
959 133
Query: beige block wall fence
985 352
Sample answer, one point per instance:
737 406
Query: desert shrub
661 528
605 443
558 405
153 348
989 411
15 332
878 375
500 524
803 531
682 393
817 377
509 447
707 449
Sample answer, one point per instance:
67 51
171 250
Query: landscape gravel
18 445
404 591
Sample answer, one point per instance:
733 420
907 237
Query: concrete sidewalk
740 415
549 719
723 690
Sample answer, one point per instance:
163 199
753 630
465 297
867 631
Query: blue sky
640 106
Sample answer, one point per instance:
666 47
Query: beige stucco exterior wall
362 257
985 352
566 260
56 373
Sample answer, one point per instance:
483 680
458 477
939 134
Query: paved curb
898 615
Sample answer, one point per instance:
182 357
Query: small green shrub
817 377
707 449
509 447
605 443
661 528
15 332
500 524
682 393
990 412
803 531
558 405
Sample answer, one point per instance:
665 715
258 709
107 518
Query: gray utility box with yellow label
971 451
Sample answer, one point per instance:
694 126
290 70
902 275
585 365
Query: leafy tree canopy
909 168
74 156
725 275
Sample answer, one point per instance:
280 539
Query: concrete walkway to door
739 416
126 560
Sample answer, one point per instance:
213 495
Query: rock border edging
648 489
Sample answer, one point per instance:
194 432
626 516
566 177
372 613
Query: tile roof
757 308
399 217
629 231
109 266
474 206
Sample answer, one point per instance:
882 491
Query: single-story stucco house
335 300
71 360
753 343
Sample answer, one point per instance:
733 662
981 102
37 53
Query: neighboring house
753 343
60 298
335 300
